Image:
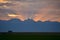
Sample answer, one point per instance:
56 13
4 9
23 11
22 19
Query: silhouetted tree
9 31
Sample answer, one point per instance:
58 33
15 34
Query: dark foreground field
29 36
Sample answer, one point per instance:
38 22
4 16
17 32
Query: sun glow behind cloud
3 1
40 10
12 15
16 16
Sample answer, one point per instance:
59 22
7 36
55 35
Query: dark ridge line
31 33
28 20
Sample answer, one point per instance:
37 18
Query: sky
46 12
37 10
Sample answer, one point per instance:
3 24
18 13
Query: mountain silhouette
29 25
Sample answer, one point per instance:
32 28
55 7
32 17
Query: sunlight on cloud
3 1
12 15
16 16
38 10
49 13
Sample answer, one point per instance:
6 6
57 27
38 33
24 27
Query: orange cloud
21 17
5 18
42 11
12 15
48 13
3 1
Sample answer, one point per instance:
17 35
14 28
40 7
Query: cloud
49 13
38 10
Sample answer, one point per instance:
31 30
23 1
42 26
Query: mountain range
29 25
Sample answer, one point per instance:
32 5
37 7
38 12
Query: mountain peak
15 20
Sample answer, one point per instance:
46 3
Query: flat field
29 35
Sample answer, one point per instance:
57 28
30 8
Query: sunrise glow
3 1
37 10
12 15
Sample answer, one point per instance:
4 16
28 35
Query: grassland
29 36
